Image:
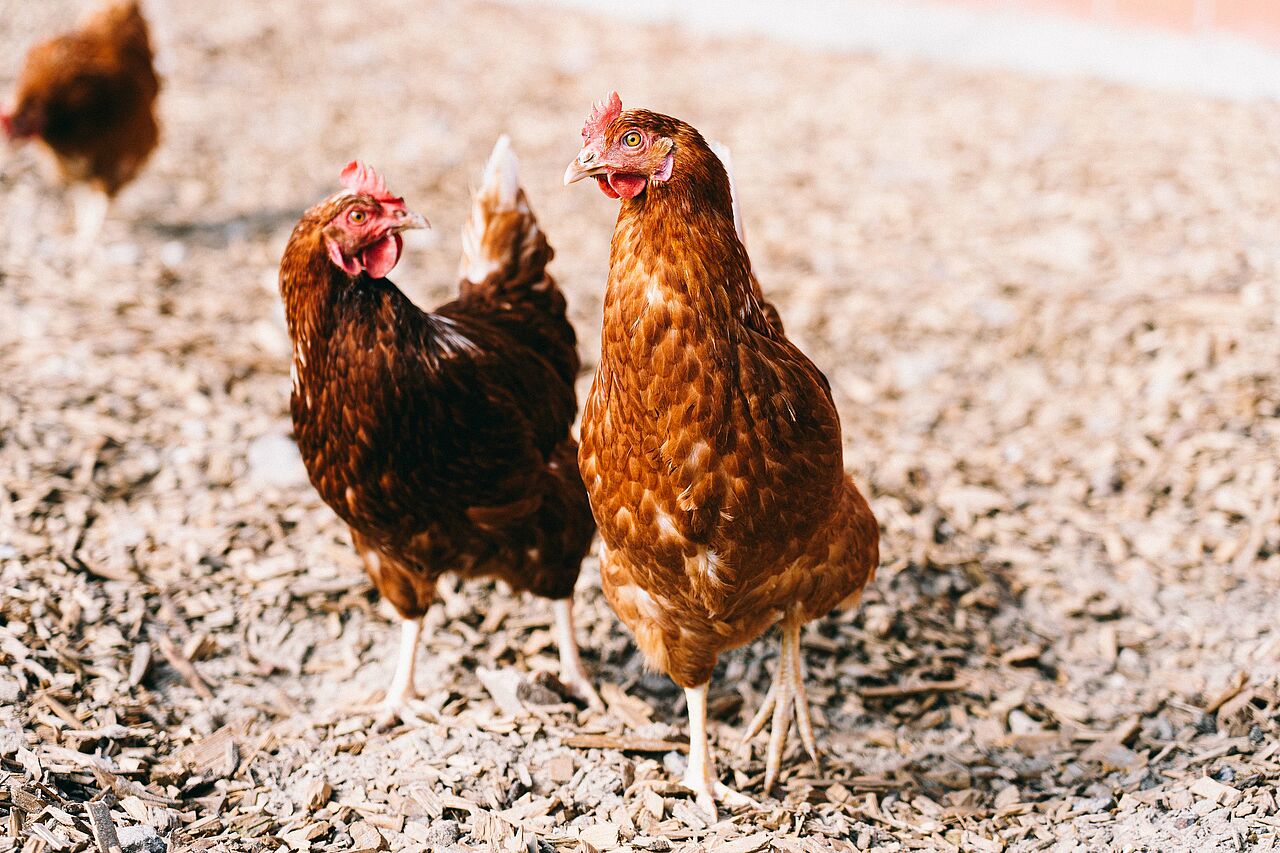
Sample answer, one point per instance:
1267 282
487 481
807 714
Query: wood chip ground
1048 310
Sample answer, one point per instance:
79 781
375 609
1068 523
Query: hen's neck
309 285
680 250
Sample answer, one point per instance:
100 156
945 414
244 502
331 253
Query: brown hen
89 97
711 447
442 439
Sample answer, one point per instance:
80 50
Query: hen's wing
442 417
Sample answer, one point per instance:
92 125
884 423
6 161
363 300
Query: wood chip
1233 688
633 711
624 743
601 836
504 686
318 793
366 838
746 844
217 755
894 691
1026 653
183 666
1218 792
104 828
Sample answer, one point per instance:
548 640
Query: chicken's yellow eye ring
631 139
357 217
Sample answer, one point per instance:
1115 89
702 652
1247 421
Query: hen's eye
357 216
631 139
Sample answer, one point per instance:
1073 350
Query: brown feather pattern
711 447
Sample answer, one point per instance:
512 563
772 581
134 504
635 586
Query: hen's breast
340 425
710 455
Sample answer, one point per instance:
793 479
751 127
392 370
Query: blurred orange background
1255 19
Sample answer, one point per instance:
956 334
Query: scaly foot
708 791
388 713
580 686
786 698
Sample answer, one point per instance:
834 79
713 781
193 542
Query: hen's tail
771 313
122 24
123 17
502 245
504 264
722 151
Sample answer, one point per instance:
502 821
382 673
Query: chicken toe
387 716
800 698
786 698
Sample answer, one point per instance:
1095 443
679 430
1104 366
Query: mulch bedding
1049 312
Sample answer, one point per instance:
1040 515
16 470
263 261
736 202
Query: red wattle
604 186
381 257
628 186
351 266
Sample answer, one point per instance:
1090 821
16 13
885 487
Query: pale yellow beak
587 165
407 219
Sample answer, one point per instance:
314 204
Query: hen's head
24 120
362 231
629 151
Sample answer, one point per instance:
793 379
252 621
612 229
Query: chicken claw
386 715
786 696
709 793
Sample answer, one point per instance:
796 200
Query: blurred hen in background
443 438
88 97
711 447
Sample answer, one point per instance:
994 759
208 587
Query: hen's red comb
362 179
602 115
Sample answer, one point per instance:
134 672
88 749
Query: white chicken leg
402 689
700 773
90 207
397 703
572 673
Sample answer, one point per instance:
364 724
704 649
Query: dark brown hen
711 447
89 97
443 438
